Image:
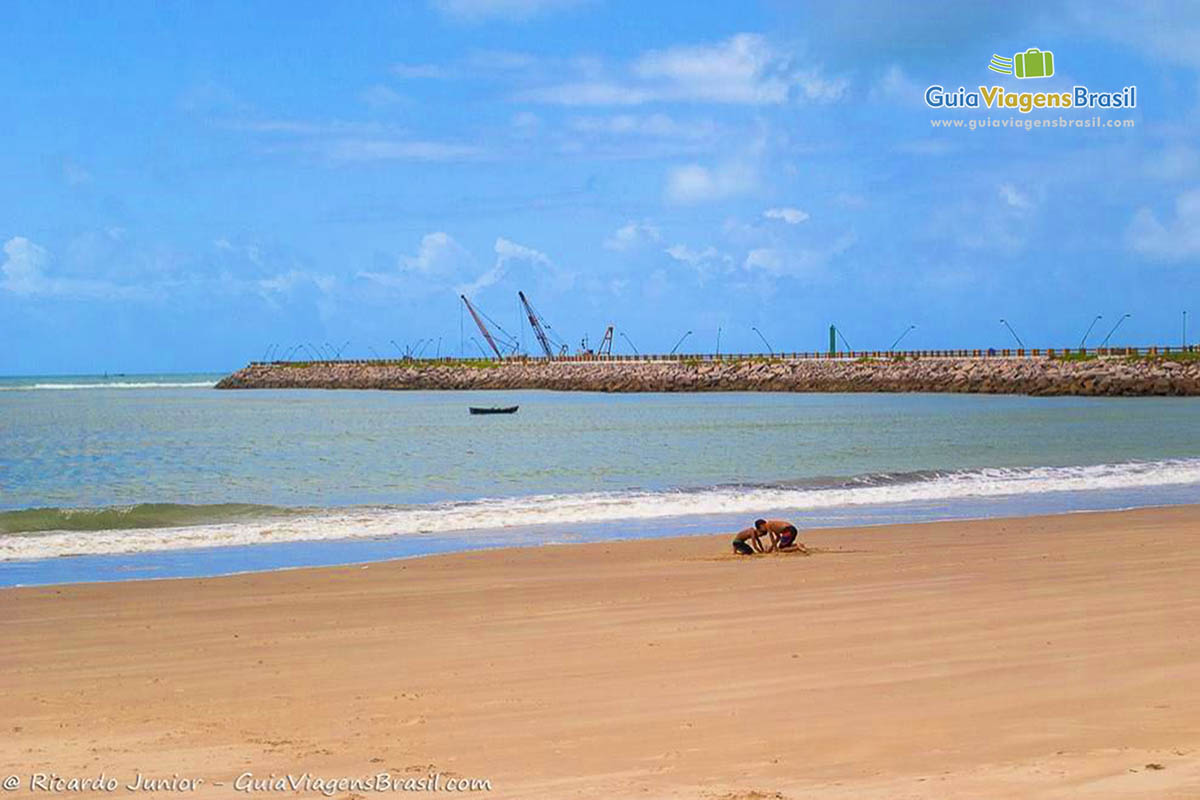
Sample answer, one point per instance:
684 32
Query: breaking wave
47 533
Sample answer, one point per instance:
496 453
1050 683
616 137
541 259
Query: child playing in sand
743 539
781 533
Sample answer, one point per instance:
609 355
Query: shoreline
1030 657
518 547
218 560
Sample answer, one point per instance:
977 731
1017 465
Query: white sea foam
30 387
568 510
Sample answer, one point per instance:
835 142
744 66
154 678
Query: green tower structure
832 339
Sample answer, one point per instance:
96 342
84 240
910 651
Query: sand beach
1044 657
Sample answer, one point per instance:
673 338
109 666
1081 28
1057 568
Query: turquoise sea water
118 476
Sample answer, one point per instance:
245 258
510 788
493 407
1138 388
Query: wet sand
1051 657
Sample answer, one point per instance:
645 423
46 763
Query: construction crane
605 348
542 330
535 322
478 316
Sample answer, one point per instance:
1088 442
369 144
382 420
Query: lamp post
1185 330
838 331
631 345
1114 330
719 341
681 338
1020 344
901 336
1083 341
764 340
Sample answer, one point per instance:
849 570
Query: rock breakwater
1100 376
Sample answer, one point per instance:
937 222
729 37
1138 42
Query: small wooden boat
494 410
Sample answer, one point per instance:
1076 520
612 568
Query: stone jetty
1108 375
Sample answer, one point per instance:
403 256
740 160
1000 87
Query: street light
676 347
631 345
719 341
1114 330
901 336
1083 341
1185 330
1020 344
764 339
838 331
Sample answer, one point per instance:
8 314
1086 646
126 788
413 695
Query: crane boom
536 323
605 348
482 328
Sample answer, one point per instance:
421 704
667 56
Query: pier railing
1066 354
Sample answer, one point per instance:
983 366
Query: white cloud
767 259
507 252
438 254
648 125
693 183
380 96
741 69
850 200
293 280
589 94
439 260
686 255
792 216
707 262
75 174
894 86
632 235
24 273
361 150
1014 197
482 10
809 263
22 268
1174 239
526 122
745 69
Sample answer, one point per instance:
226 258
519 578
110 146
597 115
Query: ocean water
112 477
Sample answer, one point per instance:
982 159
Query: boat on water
494 410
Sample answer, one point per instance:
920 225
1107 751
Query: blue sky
187 184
